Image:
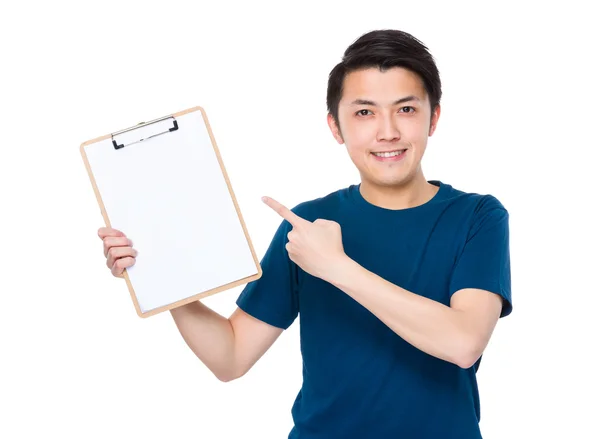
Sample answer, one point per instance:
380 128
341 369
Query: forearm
210 336
428 325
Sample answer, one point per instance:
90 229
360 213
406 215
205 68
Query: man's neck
414 193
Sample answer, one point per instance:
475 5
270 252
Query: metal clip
144 131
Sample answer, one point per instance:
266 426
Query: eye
363 112
405 108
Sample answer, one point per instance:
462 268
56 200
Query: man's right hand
118 250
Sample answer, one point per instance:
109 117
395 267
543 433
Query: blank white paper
169 196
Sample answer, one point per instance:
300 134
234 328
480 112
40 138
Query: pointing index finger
284 212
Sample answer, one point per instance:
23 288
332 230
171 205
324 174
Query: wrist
338 270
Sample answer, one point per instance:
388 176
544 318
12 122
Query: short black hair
385 49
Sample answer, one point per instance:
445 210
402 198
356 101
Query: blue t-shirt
360 379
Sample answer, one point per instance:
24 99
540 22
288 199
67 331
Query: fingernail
264 199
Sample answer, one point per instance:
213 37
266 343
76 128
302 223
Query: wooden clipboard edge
105 214
199 296
235 203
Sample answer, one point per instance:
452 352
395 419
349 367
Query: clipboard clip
144 131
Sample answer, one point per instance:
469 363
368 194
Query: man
398 282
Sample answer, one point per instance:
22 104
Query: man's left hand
316 247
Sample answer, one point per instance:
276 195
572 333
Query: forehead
379 86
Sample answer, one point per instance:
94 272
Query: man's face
385 113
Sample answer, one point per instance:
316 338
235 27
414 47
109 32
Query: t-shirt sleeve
273 298
485 260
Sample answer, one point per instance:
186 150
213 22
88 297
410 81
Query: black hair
385 49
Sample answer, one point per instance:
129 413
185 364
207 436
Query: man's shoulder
474 211
477 202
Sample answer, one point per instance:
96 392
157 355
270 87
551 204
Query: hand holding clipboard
164 185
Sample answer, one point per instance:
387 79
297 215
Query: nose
388 129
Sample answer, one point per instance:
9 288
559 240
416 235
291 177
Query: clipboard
163 183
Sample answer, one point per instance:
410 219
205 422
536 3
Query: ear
435 116
334 129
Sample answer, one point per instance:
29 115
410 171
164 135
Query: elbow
466 362
227 376
468 354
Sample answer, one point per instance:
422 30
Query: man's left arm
457 333
479 287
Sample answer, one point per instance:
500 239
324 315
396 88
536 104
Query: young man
398 282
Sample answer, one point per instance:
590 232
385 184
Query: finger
103 232
116 253
112 241
284 212
120 265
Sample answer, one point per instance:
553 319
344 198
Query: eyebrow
399 101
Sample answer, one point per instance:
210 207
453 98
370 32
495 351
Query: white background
519 117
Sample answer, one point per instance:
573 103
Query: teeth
388 154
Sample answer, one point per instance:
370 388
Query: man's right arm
228 347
